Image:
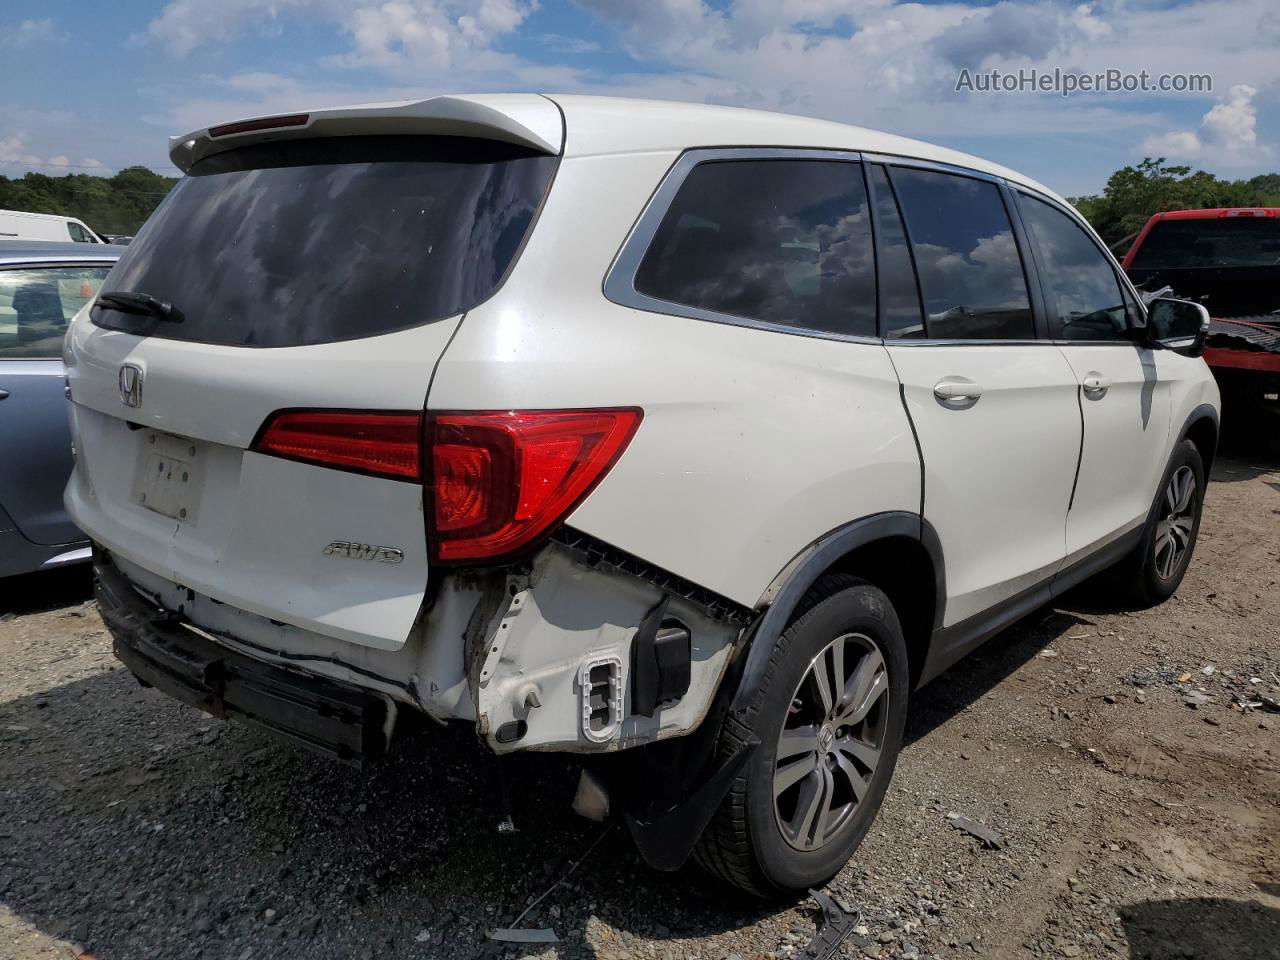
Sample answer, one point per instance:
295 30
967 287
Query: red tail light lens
501 481
378 444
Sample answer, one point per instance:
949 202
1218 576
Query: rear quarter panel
754 443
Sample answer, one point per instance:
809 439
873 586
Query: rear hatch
323 270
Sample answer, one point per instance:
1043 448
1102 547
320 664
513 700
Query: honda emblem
131 385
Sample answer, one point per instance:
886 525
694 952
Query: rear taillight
502 481
378 444
497 482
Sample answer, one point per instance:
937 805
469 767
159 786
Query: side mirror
1178 325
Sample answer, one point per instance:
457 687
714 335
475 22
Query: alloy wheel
1173 531
831 741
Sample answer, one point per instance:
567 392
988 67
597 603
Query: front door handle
1096 385
957 391
3 394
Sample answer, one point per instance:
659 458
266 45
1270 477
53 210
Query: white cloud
17 157
13 150
1005 30
878 63
29 33
388 34
559 43
184 25
1227 136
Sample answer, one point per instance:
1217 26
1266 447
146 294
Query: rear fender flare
784 594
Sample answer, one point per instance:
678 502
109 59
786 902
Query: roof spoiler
529 120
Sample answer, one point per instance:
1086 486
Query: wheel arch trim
1204 412
781 598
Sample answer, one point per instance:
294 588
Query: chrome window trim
619 283
1131 344
908 342
894 160
55 261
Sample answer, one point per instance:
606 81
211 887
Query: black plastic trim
666 841
339 721
953 643
1206 411
595 553
1031 268
812 562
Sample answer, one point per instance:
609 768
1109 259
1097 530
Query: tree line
119 204
1133 194
116 204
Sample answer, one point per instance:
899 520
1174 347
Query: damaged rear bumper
557 617
345 723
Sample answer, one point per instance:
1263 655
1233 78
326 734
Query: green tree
1134 193
115 204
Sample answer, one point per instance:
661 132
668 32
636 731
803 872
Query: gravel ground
1136 792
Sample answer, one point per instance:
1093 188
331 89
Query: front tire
829 715
1153 572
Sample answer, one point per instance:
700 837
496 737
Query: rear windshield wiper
143 303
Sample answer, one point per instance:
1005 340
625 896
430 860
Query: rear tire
1152 573
828 746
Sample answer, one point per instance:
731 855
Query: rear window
1221 242
312 241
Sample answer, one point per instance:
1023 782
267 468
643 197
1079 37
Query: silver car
42 285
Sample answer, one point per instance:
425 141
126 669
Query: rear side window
900 314
36 303
966 257
312 241
1084 293
785 242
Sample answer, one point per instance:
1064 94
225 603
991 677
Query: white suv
685 439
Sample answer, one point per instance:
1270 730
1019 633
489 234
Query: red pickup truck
1229 260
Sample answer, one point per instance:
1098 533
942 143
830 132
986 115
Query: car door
1124 399
36 302
992 402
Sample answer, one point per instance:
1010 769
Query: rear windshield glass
311 241
1221 242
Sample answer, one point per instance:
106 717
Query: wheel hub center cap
826 737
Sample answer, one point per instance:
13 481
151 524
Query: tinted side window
781 241
900 314
1085 302
970 271
36 304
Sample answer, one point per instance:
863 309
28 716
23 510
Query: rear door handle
1096 385
3 394
956 390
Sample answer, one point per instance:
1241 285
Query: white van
45 226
